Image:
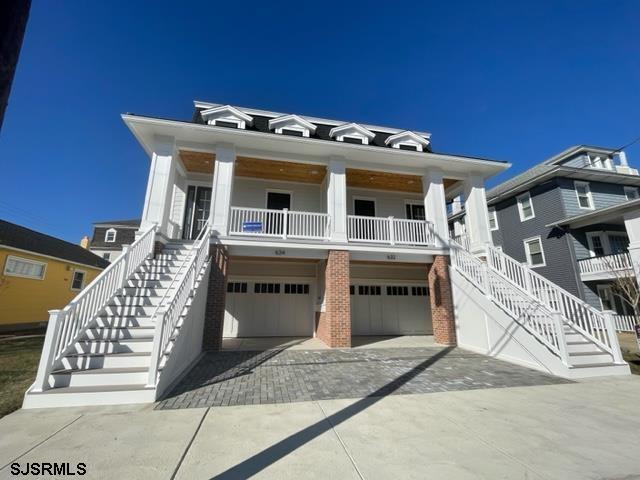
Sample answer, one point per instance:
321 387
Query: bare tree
624 285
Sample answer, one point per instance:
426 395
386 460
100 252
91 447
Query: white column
337 199
435 205
476 216
222 188
159 186
632 224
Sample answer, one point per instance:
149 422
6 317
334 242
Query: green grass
19 359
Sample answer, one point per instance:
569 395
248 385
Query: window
599 162
293 133
631 193
224 123
535 254
237 287
375 290
408 140
406 146
78 280
606 297
106 256
525 207
352 133
584 195
397 291
618 243
296 289
266 288
110 235
415 211
347 139
23 267
420 291
352 290
493 219
596 245
292 125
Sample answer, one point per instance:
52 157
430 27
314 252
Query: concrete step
119 333
124 321
99 377
112 360
114 346
81 396
589 358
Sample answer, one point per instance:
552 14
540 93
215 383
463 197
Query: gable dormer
292 125
408 141
226 116
352 133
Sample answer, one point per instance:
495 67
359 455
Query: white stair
110 362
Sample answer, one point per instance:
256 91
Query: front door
196 212
415 211
277 201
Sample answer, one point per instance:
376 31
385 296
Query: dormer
292 125
226 116
352 133
408 141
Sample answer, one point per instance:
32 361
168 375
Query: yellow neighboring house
39 273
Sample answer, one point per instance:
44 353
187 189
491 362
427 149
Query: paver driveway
281 376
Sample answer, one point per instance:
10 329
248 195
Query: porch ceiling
387 181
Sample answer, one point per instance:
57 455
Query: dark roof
261 124
121 223
16 236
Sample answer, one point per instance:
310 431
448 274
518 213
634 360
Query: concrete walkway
585 430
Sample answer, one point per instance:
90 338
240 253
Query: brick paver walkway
272 376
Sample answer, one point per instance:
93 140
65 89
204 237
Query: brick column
442 315
334 324
216 296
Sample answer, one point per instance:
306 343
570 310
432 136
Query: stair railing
66 326
171 306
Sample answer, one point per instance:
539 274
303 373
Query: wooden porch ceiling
199 162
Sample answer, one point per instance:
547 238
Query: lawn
629 347
19 358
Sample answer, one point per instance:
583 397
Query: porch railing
262 222
605 263
625 323
390 230
66 326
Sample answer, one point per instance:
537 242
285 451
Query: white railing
171 307
462 240
577 313
605 263
534 316
67 325
262 222
626 323
389 230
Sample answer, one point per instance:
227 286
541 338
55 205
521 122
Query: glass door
196 212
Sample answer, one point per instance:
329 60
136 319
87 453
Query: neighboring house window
110 236
23 267
525 207
78 280
585 200
631 193
535 254
596 245
599 162
106 256
606 297
493 219
618 243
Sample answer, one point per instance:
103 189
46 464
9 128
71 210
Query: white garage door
268 308
390 309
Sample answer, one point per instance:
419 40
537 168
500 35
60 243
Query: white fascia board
229 109
407 134
289 119
351 126
453 166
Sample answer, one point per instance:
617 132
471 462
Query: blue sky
503 80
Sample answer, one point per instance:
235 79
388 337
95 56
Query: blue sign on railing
251 226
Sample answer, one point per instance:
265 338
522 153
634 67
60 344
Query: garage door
268 308
390 309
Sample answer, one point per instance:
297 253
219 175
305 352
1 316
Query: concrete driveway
584 430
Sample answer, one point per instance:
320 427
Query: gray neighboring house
565 217
109 237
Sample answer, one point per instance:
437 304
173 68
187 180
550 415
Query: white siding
388 204
249 192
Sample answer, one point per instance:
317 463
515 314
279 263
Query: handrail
167 313
605 263
67 325
390 230
285 223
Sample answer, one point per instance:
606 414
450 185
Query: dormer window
596 161
352 133
292 125
408 141
226 116
110 235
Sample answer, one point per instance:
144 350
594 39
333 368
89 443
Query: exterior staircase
118 355
582 339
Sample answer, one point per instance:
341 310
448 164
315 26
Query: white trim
407 138
277 190
601 236
226 113
352 130
528 253
369 199
491 210
292 122
84 278
25 260
106 235
520 210
580 183
29 252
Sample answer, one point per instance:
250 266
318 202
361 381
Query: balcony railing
262 222
605 263
392 231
